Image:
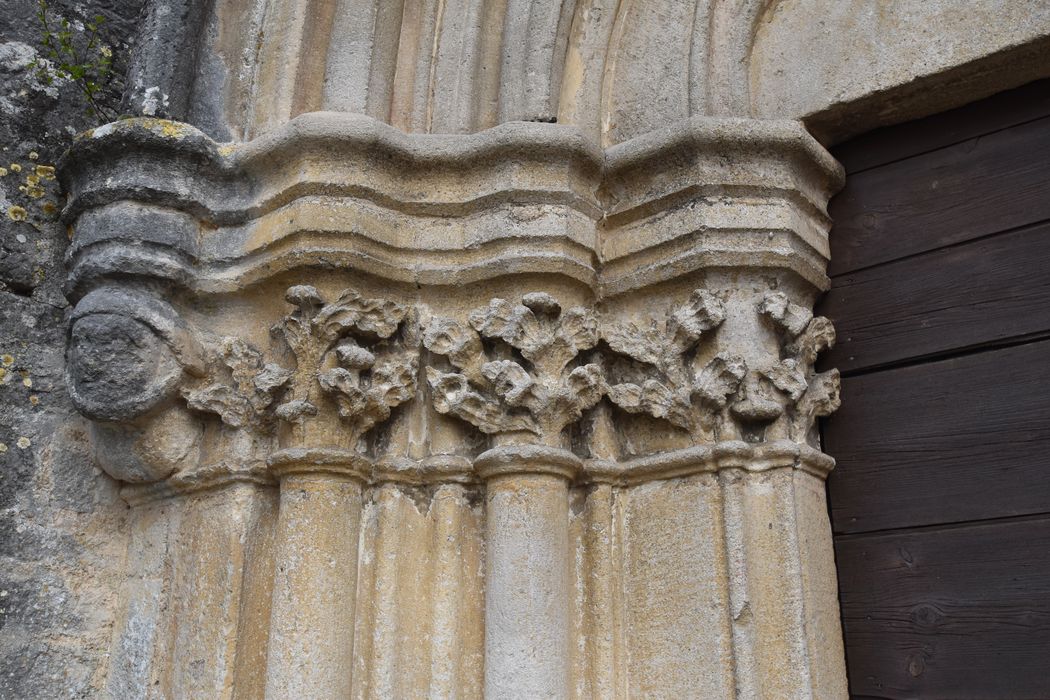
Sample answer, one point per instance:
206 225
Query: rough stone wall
63 527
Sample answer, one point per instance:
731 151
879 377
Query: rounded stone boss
126 355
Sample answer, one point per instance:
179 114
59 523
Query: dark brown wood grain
955 298
998 112
975 188
949 613
940 502
966 438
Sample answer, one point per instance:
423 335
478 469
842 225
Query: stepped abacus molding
344 190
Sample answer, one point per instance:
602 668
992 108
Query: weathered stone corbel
128 355
526 394
692 388
350 372
803 393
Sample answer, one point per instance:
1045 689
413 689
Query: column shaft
312 620
528 565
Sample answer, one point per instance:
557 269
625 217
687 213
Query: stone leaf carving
346 355
692 398
239 386
528 387
806 394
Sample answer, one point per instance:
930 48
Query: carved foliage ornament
692 398
349 372
517 369
722 398
526 384
239 386
809 393
345 352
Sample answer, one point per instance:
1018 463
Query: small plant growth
75 52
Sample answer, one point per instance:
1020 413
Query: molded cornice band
343 189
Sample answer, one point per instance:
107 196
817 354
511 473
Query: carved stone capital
526 386
670 382
677 370
349 371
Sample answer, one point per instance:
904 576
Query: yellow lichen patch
33 155
166 128
27 383
3 448
34 399
3 373
3 172
172 130
15 168
45 172
7 360
23 443
49 208
227 149
17 213
33 188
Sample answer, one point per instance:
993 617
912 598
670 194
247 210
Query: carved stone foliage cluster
345 353
521 370
677 374
334 347
241 388
804 393
525 384
679 387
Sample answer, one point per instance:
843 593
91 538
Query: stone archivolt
533 418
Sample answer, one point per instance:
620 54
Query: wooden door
940 503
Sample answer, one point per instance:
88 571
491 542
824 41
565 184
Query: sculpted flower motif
806 393
345 353
538 393
694 399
